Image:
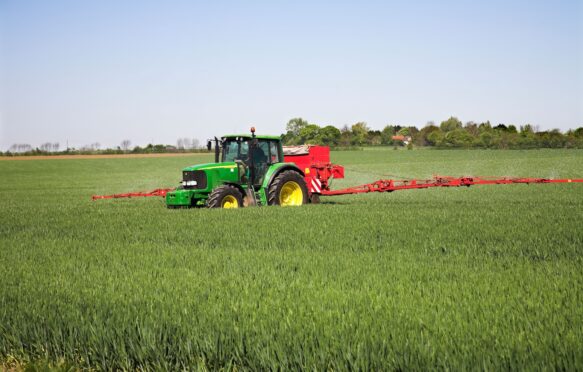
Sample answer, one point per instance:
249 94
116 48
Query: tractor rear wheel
225 196
287 189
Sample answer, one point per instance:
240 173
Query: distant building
404 139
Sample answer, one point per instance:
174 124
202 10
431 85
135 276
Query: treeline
451 133
183 145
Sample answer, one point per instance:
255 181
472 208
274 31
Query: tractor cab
255 154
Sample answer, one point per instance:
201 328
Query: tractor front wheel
225 196
287 189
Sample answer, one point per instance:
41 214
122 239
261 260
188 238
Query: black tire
220 195
282 179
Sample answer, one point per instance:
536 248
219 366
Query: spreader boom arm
438 181
156 192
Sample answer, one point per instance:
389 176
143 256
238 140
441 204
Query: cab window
235 150
274 153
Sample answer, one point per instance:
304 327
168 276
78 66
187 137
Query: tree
295 125
330 135
435 137
46 147
125 145
187 143
359 133
374 137
485 127
404 132
486 139
20 147
458 138
423 136
310 134
472 128
526 129
450 124
413 131
293 129
387 135
507 140
345 136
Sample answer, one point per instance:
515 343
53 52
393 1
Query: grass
482 278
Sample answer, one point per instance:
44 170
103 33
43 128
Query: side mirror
209 145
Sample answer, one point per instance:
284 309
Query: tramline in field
258 170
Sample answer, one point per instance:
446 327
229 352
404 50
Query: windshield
235 150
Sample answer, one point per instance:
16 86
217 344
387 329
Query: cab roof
249 136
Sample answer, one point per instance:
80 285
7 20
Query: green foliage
449 279
450 134
404 132
526 129
294 128
458 138
435 138
386 135
486 139
310 134
330 135
450 124
422 138
359 133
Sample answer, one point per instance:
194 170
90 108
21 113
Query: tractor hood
211 166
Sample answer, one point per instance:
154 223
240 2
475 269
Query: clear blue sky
105 71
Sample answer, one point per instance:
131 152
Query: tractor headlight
189 183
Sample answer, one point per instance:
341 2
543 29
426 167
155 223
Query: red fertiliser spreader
314 161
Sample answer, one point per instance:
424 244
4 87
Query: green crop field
487 277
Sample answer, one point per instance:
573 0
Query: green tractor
251 171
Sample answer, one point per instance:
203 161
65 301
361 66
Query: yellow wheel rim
291 194
230 201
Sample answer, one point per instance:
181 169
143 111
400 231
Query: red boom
157 192
438 181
